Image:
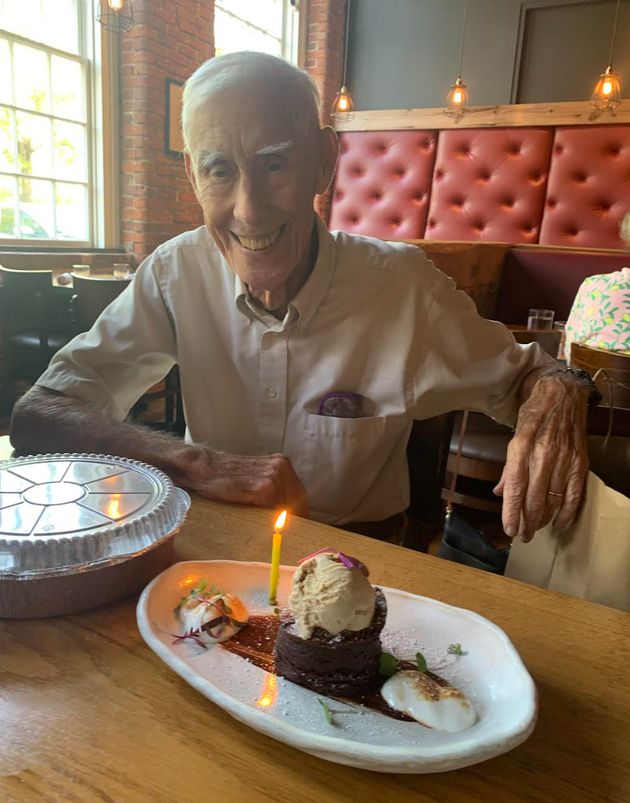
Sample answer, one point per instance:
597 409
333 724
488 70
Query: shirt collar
310 296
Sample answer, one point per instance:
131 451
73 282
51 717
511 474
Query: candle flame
281 520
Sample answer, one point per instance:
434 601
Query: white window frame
98 54
290 27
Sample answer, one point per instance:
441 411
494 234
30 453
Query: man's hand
547 460
263 480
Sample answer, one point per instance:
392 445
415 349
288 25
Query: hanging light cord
461 44
345 48
614 32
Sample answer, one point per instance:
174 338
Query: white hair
232 69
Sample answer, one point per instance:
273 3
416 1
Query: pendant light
343 99
457 98
116 15
607 92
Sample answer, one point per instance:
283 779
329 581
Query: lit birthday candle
275 556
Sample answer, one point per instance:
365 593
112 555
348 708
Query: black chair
34 322
92 294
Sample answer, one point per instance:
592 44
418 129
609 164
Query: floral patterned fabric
600 315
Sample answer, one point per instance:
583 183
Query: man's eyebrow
207 159
277 149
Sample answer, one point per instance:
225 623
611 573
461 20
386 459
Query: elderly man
304 355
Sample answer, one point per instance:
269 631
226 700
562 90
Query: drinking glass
122 270
81 270
540 319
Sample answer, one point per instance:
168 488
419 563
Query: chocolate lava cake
343 665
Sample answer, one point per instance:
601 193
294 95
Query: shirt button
272 393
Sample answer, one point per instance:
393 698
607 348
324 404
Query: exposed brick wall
323 60
170 39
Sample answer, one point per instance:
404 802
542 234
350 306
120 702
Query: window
267 25
47 163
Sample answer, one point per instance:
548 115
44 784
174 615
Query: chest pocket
342 458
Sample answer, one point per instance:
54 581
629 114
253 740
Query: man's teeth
259 243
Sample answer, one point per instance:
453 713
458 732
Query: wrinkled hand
547 460
262 480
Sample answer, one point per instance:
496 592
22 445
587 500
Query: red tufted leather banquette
489 184
383 182
568 185
589 186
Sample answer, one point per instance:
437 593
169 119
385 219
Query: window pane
265 14
34 143
72 212
8 203
67 88
52 22
36 209
232 34
31 78
69 151
7 140
6 94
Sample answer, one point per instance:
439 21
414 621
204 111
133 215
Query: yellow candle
275 557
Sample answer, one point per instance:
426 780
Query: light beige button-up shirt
374 318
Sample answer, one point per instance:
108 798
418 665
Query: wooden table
89 713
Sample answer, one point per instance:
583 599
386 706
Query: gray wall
404 53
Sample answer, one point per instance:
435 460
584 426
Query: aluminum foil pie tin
81 530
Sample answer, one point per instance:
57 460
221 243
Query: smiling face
256 166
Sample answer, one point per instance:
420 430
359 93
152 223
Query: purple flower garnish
319 552
353 563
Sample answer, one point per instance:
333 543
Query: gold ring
552 493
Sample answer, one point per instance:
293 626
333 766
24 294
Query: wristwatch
582 376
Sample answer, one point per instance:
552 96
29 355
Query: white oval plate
491 674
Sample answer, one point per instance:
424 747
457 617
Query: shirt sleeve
468 362
130 347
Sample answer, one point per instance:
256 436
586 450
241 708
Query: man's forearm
46 421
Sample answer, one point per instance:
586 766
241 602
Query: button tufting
509 203
358 171
558 149
580 178
439 174
399 172
395 221
572 232
376 196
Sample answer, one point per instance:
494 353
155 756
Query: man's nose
249 204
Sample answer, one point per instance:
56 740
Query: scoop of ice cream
331 592
443 707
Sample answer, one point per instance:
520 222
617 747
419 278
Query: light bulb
116 5
457 97
343 102
607 92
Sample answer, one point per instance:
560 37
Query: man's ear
329 151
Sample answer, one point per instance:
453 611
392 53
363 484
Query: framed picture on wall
174 144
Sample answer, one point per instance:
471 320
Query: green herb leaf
421 662
327 712
387 665
456 649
